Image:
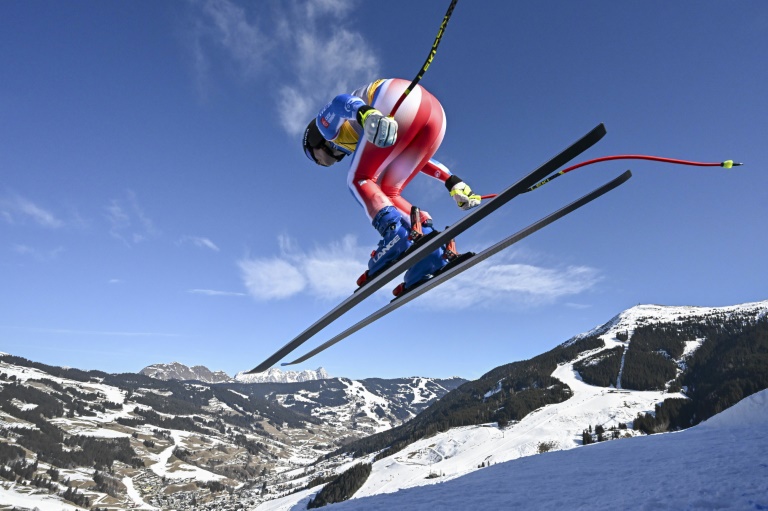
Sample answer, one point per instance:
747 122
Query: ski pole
725 164
431 56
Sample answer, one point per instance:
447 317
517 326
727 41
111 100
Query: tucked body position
386 154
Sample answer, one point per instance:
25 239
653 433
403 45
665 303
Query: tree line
731 364
506 393
343 487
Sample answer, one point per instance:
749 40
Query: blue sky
155 205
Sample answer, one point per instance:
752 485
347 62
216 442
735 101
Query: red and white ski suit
377 176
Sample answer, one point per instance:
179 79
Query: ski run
717 464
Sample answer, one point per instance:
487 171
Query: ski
429 243
465 264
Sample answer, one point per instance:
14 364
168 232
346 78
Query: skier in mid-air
387 152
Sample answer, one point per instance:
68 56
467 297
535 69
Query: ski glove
462 193
379 130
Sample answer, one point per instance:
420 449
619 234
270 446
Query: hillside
547 403
119 440
718 464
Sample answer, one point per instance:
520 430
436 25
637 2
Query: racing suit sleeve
343 107
437 170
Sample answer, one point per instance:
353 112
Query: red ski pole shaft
725 164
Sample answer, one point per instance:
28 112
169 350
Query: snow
135 495
179 470
421 394
275 375
461 451
685 470
20 496
642 315
719 464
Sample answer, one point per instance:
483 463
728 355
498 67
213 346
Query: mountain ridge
264 441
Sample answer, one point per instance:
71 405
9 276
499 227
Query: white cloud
103 333
508 283
213 292
328 272
200 242
18 209
128 222
37 254
288 48
268 279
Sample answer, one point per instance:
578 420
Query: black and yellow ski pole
430 57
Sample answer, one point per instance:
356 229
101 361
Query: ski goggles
328 148
313 139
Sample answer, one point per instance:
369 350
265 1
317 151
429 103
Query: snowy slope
642 315
461 451
719 464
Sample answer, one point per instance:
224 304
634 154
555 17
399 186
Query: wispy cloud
104 333
19 210
287 47
213 292
37 254
330 273
327 272
504 282
128 222
200 242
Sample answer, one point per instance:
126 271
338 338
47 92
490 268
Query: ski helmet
313 139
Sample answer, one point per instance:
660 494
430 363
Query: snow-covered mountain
179 371
588 412
719 464
287 440
646 315
370 405
161 435
275 375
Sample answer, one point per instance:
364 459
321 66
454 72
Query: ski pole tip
729 164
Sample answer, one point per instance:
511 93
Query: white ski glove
462 194
379 130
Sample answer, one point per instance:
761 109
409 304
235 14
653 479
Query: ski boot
430 265
394 241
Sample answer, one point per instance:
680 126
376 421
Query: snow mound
751 412
683 470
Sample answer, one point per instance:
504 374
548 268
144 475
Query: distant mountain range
275 375
178 371
175 436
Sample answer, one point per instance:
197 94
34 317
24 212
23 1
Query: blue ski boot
393 243
427 267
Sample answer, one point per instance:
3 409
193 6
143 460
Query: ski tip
729 164
601 128
257 369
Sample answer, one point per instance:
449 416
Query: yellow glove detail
464 197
